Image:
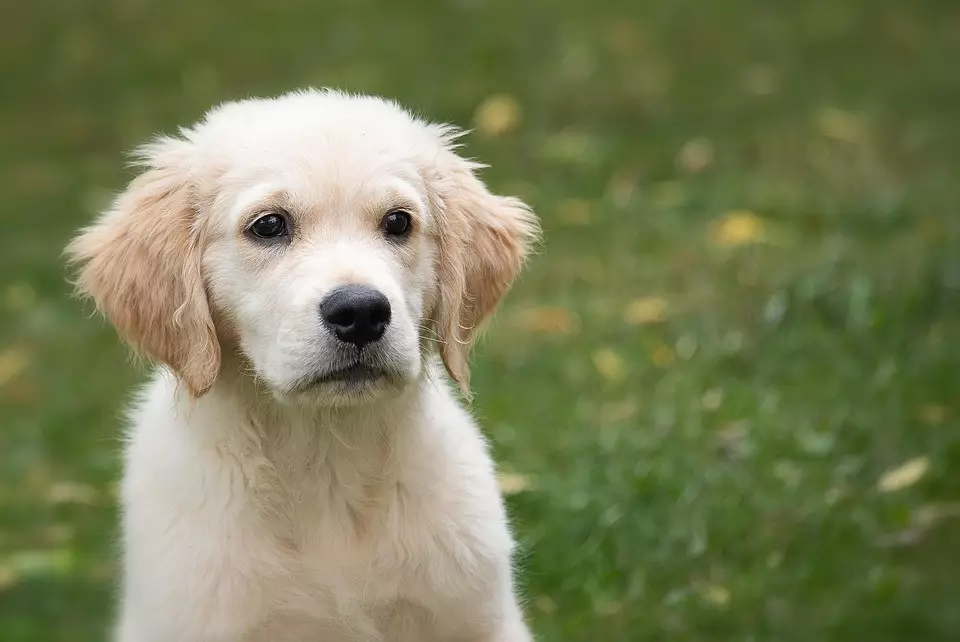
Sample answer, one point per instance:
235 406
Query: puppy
303 269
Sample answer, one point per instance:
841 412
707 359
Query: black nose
357 314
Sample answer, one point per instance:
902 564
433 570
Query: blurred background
724 397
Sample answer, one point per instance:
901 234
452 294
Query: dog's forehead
305 141
314 127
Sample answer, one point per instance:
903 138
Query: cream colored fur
258 506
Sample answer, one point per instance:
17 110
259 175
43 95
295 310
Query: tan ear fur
140 263
484 240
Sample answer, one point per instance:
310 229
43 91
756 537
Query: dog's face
321 253
323 243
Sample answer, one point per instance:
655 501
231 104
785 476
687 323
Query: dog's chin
349 386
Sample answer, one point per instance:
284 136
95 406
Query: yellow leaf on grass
663 356
932 413
12 362
609 364
716 594
7 577
513 483
622 37
840 125
497 115
738 227
554 320
712 399
72 493
545 604
650 309
903 476
695 155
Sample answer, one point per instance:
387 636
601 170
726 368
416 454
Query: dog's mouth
355 376
355 373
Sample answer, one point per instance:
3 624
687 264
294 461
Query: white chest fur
248 524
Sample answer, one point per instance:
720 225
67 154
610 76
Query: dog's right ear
140 263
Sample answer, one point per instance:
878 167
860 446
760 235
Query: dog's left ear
484 240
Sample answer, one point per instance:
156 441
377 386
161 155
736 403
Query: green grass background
709 476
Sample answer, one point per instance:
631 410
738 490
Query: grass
743 323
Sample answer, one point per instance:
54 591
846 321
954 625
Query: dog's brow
258 194
397 195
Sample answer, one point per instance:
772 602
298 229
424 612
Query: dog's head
324 242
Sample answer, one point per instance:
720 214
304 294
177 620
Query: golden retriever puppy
303 269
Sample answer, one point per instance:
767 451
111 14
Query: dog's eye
269 226
396 223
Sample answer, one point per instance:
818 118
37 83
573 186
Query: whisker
430 334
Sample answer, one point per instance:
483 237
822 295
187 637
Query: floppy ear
140 263
484 240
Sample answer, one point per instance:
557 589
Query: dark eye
269 226
396 223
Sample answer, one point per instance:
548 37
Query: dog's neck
268 425
350 459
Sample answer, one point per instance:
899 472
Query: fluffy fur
262 501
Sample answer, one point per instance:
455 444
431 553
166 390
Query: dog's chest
363 552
